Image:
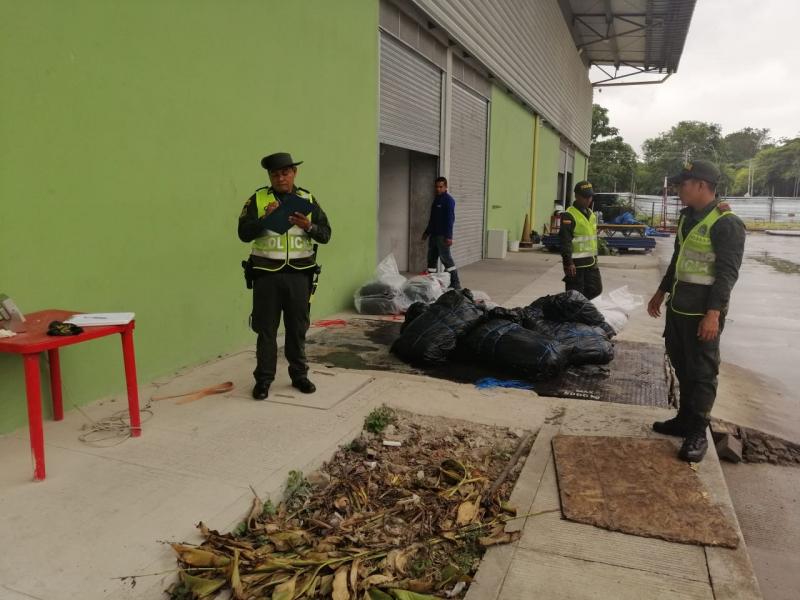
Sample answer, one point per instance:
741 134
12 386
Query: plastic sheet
571 307
430 335
383 295
582 344
510 347
426 288
617 306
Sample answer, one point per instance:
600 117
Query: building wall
581 166
528 46
510 164
130 137
547 158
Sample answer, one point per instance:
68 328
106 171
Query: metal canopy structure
630 38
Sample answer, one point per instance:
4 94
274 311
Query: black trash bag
571 307
376 305
412 313
379 288
521 314
509 346
432 336
582 344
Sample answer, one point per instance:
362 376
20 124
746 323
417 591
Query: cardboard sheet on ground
637 486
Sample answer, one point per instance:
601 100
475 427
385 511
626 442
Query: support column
447 111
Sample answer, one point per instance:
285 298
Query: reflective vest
695 263
293 245
584 236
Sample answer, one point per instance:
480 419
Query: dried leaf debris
377 522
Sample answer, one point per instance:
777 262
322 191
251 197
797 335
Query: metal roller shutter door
410 99
468 173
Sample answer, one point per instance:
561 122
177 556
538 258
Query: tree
613 165
740 146
613 162
667 153
777 169
600 123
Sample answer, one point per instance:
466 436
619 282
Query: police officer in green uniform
704 268
282 266
578 236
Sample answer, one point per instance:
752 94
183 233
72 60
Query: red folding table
33 339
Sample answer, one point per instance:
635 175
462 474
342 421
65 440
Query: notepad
89 319
278 220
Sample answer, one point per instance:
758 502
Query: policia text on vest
282 268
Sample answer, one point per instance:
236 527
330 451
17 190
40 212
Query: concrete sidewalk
102 512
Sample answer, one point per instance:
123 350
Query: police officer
283 262
705 265
578 236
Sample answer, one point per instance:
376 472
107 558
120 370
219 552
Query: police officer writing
704 268
282 221
578 236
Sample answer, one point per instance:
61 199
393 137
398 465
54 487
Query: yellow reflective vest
584 236
292 248
694 265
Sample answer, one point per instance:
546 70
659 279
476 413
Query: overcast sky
739 68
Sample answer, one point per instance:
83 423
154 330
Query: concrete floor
101 512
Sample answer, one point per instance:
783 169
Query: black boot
675 426
260 390
304 385
694 447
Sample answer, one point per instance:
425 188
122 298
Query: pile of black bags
536 341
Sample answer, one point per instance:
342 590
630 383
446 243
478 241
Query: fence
762 208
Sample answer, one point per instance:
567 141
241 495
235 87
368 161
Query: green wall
547 154
130 137
510 164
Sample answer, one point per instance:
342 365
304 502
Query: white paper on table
89 319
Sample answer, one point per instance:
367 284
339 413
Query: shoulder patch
246 206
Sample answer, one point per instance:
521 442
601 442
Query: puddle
779 264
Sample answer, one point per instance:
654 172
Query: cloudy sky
739 68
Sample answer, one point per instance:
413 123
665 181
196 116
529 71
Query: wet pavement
763 330
759 385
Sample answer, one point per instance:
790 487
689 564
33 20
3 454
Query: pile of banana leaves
403 513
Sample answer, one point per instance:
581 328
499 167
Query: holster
314 275
247 265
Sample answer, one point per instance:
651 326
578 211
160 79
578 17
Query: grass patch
379 419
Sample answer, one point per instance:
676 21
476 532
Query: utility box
496 243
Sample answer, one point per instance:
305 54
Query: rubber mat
637 486
637 375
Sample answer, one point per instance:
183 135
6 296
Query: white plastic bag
483 298
618 306
426 288
383 294
388 273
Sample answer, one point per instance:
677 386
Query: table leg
55 384
129 356
34 393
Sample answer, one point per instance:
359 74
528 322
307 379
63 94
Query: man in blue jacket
439 232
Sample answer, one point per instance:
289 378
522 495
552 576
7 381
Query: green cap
698 169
